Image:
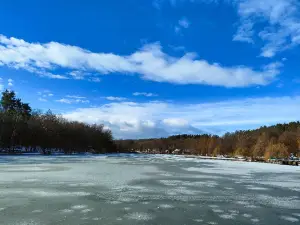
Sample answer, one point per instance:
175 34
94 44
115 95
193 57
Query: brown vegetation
276 141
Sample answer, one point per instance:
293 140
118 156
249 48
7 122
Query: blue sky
156 67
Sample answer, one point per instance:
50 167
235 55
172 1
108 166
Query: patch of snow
256 188
289 218
255 220
67 211
217 210
227 216
96 218
37 211
86 210
198 220
114 202
140 216
280 202
78 207
166 206
228 188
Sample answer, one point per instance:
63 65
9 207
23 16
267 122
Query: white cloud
150 62
50 94
112 98
144 94
72 101
177 122
156 119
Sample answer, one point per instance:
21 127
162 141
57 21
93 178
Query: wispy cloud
10 82
78 75
245 32
75 96
155 119
112 98
177 48
1 84
147 94
157 4
42 99
44 94
275 22
150 62
72 101
280 20
94 79
183 23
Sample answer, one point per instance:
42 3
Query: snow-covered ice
145 189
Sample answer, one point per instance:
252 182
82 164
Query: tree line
277 141
32 130
20 126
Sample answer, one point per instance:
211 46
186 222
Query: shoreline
240 159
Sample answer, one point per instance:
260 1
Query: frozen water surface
145 189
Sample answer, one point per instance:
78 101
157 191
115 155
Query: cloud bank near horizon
161 119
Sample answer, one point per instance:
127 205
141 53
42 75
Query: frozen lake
128 189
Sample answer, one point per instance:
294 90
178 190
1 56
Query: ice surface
145 189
